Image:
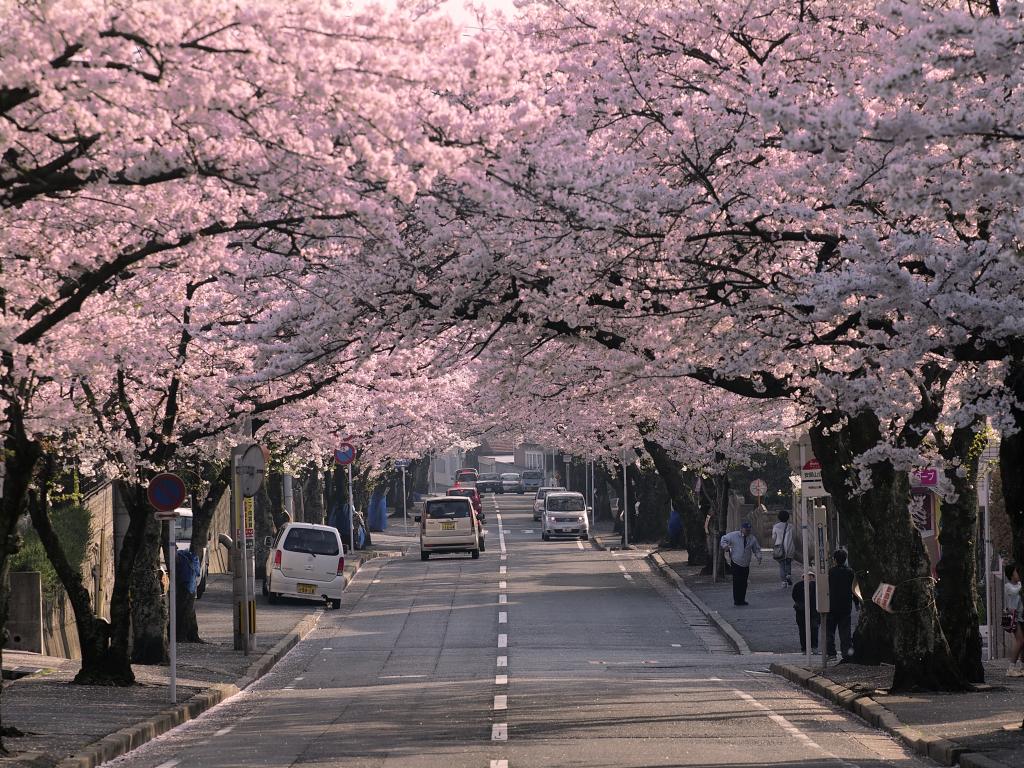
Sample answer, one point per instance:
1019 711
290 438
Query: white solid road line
499 763
622 567
500 702
528 530
503 641
169 763
499 732
579 544
503 661
224 731
502 617
790 728
628 577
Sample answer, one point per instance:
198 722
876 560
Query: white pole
805 530
405 512
625 502
351 512
172 552
993 627
288 497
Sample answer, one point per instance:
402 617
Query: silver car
512 482
565 514
538 500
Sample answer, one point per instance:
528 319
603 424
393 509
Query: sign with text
924 478
810 480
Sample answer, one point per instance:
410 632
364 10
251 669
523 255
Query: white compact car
538 500
305 561
448 524
565 514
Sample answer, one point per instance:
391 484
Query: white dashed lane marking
499 732
503 661
502 617
503 641
500 702
501 679
502 585
502 599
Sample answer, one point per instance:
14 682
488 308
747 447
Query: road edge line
131 737
877 715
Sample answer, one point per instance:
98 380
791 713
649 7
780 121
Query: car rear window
510 476
533 474
488 476
441 510
565 504
468 492
312 541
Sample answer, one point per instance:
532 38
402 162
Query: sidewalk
79 726
975 730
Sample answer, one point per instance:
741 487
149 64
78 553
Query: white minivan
448 524
305 561
565 514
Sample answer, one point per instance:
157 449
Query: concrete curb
125 740
940 750
723 626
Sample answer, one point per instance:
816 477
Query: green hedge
71 524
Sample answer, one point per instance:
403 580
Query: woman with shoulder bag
783 548
1012 618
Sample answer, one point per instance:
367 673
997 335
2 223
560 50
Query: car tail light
277 558
341 565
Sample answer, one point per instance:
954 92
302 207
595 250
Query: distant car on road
511 482
466 475
533 479
478 509
305 561
565 514
489 482
538 500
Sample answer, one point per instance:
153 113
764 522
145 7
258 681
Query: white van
305 561
565 514
448 524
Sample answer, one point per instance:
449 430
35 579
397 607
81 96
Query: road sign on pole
166 492
758 488
345 454
810 480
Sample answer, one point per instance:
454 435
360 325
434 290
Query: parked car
489 482
305 561
448 524
565 514
183 540
511 482
538 500
533 479
466 475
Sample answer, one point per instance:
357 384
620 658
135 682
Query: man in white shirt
741 546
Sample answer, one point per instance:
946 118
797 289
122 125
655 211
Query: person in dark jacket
798 609
841 580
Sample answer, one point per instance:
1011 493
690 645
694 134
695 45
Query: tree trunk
683 500
602 500
1011 460
148 606
264 518
202 518
885 546
313 496
420 473
957 593
22 457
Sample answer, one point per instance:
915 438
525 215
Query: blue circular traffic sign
345 454
166 492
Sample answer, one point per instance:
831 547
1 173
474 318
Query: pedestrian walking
842 597
798 609
1013 618
783 548
741 546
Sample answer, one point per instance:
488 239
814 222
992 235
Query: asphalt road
537 654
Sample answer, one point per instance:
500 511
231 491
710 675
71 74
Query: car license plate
447 526
307 589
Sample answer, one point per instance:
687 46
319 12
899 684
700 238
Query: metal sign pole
625 502
172 555
405 511
805 531
351 512
244 549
